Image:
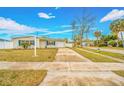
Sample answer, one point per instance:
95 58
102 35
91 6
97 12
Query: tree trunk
86 38
81 37
97 41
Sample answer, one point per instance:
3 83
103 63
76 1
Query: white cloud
56 8
58 32
65 26
113 15
9 26
46 16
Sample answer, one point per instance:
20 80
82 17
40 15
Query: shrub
120 43
25 45
112 43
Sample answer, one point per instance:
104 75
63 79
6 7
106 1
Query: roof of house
21 37
41 38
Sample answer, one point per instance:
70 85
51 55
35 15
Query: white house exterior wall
42 44
38 43
16 41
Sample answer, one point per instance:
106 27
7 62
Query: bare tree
86 23
82 25
73 28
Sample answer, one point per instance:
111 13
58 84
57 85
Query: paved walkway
110 50
80 72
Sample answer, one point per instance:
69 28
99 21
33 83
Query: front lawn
93 57
115 55
21 77
16 55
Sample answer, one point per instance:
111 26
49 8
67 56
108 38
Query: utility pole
35 46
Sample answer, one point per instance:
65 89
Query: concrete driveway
69 55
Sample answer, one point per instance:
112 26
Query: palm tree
97 35
118 26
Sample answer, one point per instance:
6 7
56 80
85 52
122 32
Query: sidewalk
62 66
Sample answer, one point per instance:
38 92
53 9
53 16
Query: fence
6 45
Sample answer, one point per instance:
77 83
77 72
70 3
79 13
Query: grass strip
21 77
115 55
93 57
119 72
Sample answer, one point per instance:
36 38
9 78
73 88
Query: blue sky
52 22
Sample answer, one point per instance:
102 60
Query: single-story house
40 42
6 44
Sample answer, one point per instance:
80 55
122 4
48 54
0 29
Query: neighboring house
6 44
69 44
40 41
87 43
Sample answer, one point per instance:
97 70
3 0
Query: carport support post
35 46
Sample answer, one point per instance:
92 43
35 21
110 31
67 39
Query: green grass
93 57
119 72
17 55
115 55
21 77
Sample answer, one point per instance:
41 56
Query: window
50 42
26 41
